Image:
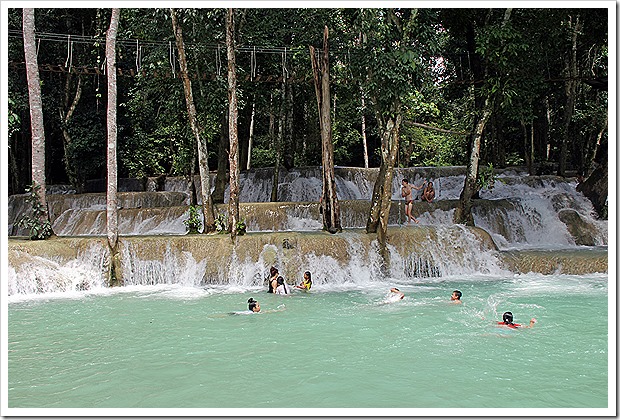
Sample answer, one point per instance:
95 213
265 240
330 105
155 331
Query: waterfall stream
520 213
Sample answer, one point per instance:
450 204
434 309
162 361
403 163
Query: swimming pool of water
335 347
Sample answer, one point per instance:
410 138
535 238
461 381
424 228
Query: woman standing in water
281 289
273 279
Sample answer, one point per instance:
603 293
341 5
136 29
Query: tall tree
233 202
112 200
463 212
203 164
36 110
390 66
329 201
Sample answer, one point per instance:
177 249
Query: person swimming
253 305
306 283
456 296
507 320
395 294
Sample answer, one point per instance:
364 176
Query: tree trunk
462 213
570 89
278 140
112 202
288 151
36 108
329 202
526 146
592 156
222 158
364 143
207 203
382 192
66 112
251 136
233 157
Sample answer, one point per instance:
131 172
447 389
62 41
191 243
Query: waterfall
516 219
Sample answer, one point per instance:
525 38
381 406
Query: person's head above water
273 271
253 305
507 317
456 295
405 181
308 276
280 280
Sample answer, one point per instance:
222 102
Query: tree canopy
546 69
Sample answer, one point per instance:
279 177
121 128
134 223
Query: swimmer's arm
532 322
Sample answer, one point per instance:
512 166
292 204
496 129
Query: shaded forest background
545 68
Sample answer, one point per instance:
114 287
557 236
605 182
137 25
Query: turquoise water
168 346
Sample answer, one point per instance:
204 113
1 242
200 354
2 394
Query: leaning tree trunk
378 217
251 136
36 109
462 213
112 201
205 184
233 202
329 202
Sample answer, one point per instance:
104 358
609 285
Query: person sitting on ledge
428 194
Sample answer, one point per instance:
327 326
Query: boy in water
456 297
408 195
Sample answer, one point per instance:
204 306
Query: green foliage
193 222
86 148
221 225
486 178
38 224
13 120
263 158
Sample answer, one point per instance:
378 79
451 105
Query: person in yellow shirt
306 284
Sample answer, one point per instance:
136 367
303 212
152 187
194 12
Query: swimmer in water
306 284
507 321
456 297
395 294
253 305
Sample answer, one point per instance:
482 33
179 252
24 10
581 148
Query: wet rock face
581 230
596 189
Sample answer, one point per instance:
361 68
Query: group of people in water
277 285
428 195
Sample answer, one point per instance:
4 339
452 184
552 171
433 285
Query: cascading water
520 212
